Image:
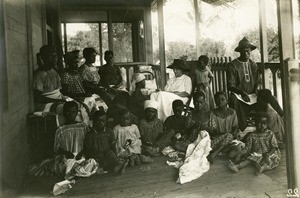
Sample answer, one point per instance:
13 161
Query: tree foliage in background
121 40
273 43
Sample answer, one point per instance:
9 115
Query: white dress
165 98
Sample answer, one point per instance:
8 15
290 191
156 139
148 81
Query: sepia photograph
150 98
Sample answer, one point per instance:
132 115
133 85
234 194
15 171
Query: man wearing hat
243 78
178 87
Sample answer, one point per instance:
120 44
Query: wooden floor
159 180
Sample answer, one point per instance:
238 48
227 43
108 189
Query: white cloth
165 98
196 163
150 104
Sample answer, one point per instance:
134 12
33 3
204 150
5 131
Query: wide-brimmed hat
178 64
244 43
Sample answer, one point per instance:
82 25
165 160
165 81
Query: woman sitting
179 87
90 76
72 83
46 81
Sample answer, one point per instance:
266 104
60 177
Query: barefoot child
151 128
261 148
203 77
127 139
226 125
174 126
98 144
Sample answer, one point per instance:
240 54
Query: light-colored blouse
180 84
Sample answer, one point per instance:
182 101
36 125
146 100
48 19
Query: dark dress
99 147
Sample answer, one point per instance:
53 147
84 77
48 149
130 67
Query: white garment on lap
195 163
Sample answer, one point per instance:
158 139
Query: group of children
127 135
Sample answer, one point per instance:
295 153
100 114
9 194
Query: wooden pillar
65 37
3 66
148 35
286 49
263 39
135 40
100 43
161 34
109 29
197 29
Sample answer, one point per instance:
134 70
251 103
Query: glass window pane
122 42
179 26
82 35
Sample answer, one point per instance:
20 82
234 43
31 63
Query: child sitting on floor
174 126
98 144
127 139
151 128
70 137
261 148
276 122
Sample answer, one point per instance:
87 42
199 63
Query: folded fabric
196 163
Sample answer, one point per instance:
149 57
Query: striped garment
70 137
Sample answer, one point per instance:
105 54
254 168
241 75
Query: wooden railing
218 67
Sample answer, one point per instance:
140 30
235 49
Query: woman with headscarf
151 128
137 98
178 87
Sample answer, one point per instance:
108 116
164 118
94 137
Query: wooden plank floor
159 180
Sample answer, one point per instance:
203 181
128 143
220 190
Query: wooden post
148 35
286 49
109 29
161 34
197 29
263 39
100 43
294 89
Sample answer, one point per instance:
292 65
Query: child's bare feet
232 167
124 167
261 169
132 160
118 168
137 160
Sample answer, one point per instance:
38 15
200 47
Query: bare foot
232 167
124 167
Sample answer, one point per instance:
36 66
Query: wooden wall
23 36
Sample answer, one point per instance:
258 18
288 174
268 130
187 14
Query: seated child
276 122
199 119
174 126
151 128
261 148
70 137
98 144
127 139
203 77
226 125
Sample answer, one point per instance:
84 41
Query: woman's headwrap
150 104
139 77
